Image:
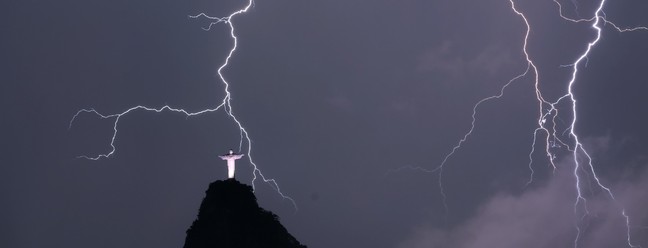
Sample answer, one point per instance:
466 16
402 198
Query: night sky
339 98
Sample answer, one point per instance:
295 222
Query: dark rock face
230 217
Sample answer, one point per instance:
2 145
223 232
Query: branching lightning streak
623 29
472 128
225 104
548 113
550 110
598 17
117 117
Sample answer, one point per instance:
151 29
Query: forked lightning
225 105
548 112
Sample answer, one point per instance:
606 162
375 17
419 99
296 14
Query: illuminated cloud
544 217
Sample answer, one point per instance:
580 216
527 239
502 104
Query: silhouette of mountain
230 217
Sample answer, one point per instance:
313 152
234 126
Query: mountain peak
230 216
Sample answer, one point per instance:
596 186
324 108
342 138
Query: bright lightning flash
548 113
225 105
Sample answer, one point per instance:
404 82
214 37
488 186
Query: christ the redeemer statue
231 157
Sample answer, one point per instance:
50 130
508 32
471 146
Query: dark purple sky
335 95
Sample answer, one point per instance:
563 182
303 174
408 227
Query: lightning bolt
598 18
548 114
225 105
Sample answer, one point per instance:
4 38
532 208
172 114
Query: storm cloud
545 217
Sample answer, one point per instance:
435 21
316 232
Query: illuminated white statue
231 157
